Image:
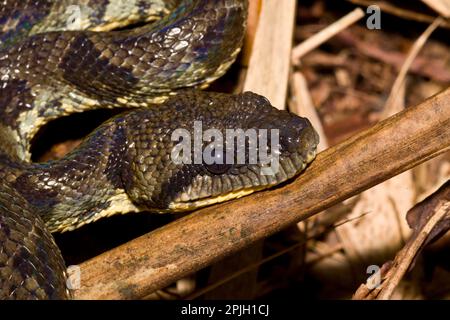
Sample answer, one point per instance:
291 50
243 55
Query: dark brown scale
31 266
18 17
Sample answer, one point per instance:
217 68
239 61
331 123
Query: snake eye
217 164
218 168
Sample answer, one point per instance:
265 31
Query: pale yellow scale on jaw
186 206
179 206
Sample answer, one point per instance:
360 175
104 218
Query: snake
154 58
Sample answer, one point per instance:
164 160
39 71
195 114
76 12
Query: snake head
211 147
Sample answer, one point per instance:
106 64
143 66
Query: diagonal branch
160 257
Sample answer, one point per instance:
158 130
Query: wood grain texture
160 257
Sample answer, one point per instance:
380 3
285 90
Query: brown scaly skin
31 266
125 164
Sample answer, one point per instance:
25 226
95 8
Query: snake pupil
218 168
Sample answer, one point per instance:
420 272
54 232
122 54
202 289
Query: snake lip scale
63 57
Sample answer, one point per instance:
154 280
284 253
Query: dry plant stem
440 6
327 33
268 70
392 100
252 25
303 106
407 254
396 11
193 242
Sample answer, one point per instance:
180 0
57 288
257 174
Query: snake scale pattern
151 56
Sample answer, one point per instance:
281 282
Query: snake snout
296 135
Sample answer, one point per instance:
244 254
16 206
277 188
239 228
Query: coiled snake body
125 164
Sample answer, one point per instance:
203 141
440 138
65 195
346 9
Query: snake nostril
291 133
297 124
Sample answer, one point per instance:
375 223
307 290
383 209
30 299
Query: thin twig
325 34
303 106
391 102
407 254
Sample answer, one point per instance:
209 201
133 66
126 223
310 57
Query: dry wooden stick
160 257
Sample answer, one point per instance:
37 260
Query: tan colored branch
157 259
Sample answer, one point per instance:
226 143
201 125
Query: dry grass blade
155 260
389 108
303 106
429 219
405 256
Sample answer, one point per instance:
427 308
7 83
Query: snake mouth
201 192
